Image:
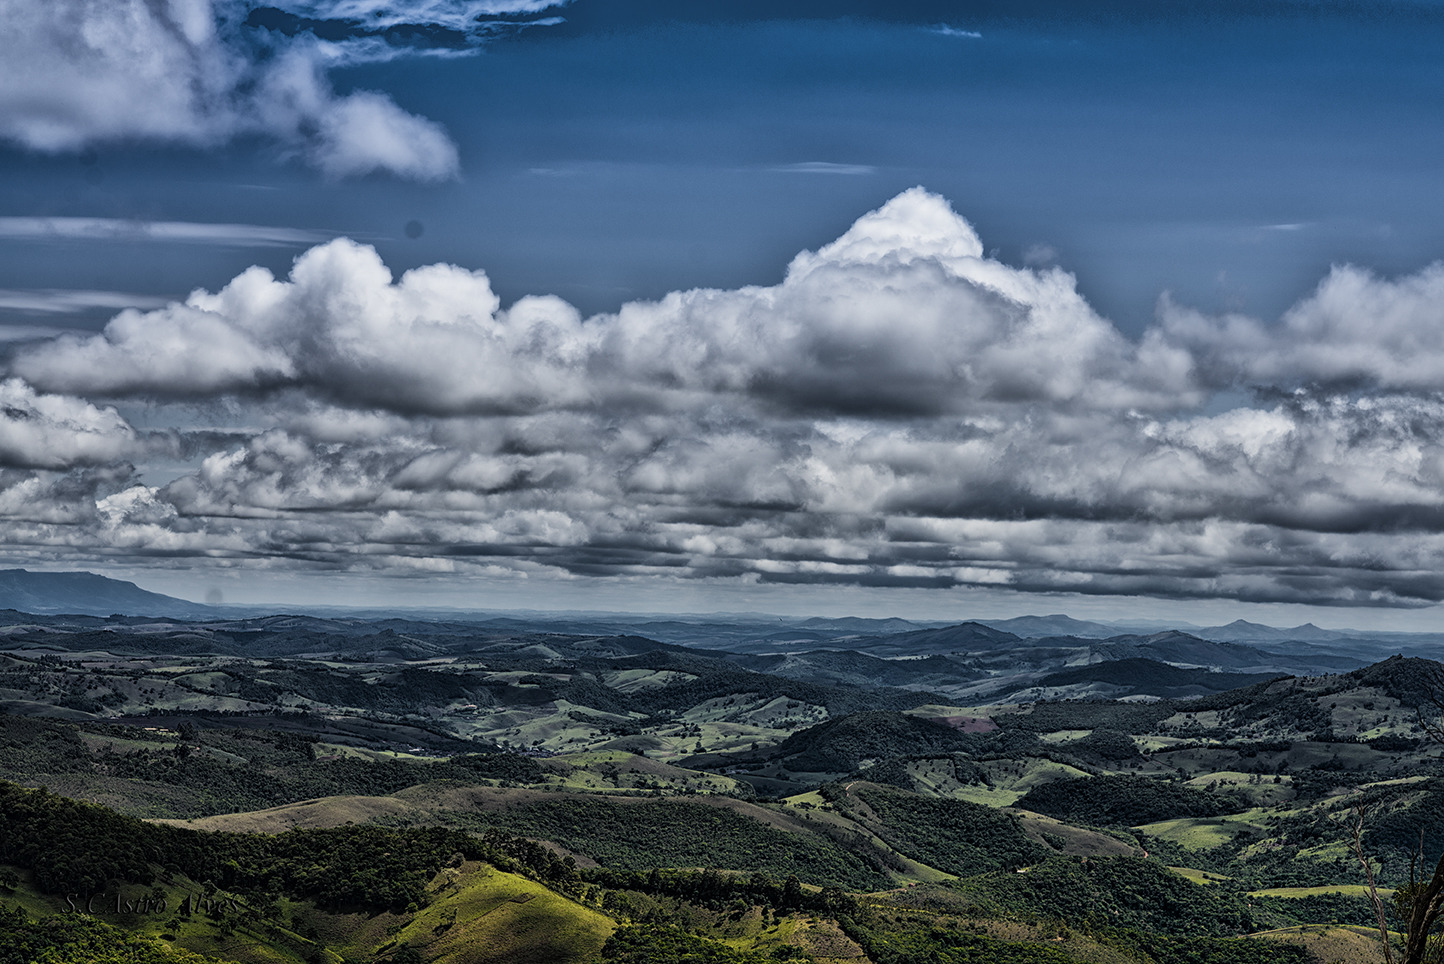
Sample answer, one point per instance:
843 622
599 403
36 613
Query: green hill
1125 892
1121 800
841 745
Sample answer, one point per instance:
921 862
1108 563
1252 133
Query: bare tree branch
1356 828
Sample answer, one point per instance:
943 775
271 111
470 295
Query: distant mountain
85 593
1178 647
1127 677
966 637
1243 631
849 668
860 624
1055 625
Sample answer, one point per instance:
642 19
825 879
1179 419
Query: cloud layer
901 410
202 72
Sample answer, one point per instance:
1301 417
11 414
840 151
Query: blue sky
1165 358
629 152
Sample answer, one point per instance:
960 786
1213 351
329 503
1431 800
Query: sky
1126 309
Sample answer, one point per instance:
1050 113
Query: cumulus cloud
55 432
76 71
903 314
900 410
201 72
191 352
1356 329
433 341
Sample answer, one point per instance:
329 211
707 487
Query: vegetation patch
1124 801
639 835
954 836
1124 892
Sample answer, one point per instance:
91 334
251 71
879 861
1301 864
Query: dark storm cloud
900 411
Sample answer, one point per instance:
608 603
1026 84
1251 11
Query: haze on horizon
947 309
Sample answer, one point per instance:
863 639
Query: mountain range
1038 643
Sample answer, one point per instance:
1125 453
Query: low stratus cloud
202 72
901 410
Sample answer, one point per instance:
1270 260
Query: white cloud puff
367 132
57 432
78 72
902 313
1356 329
433 341
192 352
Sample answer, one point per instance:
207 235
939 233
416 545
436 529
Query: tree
791 892
1356 831
1420 903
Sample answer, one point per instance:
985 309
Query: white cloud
191 352
826 167
56 432
79 72
461 15
900 410
366 132
1355 329
944 30
903 313
132 231
59 301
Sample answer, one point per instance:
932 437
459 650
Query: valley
869 792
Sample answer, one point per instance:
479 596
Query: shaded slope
88 593
1128 677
